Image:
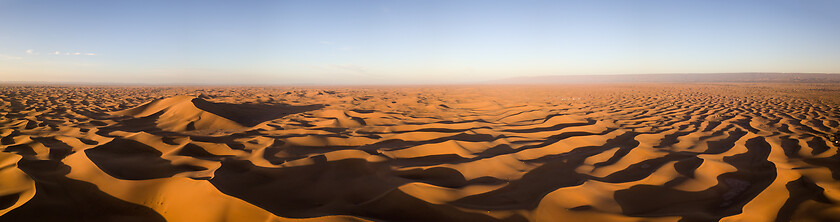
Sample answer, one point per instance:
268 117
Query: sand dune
641 152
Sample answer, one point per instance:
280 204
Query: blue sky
406 42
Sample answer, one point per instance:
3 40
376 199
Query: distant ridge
677 78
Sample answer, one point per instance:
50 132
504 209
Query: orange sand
642 152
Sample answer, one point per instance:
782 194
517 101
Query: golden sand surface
633 152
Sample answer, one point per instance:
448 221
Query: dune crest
180 113
192 114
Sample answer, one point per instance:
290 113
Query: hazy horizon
406 42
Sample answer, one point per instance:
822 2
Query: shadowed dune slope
640 152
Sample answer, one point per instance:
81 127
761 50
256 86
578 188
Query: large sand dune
642 152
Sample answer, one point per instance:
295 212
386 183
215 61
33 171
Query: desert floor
642 152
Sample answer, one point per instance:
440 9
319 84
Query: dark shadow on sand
249 114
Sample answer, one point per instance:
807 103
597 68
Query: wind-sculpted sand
642 152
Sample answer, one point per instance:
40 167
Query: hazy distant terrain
683 78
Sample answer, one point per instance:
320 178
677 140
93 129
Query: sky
282 42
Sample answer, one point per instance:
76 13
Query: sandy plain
631 152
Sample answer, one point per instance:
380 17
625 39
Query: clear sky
422 41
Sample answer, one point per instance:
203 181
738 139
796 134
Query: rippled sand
642 152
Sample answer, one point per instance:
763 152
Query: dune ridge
190 114
621 152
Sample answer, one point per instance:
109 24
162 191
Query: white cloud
33 52
8 57
71 53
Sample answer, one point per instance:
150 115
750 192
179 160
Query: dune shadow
557 171
350 187
251 114
246 114
131 160
59 198
732 192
